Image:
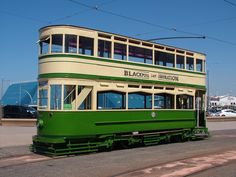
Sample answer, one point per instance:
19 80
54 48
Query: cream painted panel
121 65
84 68
68 30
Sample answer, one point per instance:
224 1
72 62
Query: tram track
22 159
186 166
178 168
189 158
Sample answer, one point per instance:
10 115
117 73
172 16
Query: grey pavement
16 136
227 125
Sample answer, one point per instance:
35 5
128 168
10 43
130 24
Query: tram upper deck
76 52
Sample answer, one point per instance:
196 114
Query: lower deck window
140 100
84 92
110 100
55 99
184 102
69 97
43 98
163 101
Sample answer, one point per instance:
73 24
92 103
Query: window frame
133 54
162 58
54 47
166 95
67 46
105 52
90 40
145 101
123 52
119 93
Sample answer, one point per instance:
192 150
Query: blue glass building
24 93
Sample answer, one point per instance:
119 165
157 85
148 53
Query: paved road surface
123 161
120 162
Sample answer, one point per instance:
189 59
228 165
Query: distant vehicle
15 111
227 112
213 112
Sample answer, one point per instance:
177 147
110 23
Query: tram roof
81 27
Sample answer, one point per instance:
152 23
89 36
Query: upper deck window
204 66
70 43
190 63
44 45
57 43
164 59
119 51
141 55
86 45
180 61
104 48
199 65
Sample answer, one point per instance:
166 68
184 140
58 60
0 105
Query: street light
208 90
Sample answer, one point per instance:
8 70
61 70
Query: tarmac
15 141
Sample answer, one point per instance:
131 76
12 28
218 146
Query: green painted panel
89 123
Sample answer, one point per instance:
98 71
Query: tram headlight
40 123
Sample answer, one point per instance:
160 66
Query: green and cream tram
97 90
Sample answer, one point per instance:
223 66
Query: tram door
200 108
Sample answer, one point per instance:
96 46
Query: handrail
69 94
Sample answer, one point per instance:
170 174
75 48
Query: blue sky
215 19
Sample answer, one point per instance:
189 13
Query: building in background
23 93
223 101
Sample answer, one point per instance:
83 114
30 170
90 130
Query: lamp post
208 90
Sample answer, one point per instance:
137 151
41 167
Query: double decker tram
99 90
